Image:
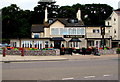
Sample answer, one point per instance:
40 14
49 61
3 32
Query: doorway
57 44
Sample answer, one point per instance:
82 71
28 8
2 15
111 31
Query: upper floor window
67 31
96 31
114 19
73 21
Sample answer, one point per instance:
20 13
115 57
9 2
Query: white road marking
89 77
68 78
106 75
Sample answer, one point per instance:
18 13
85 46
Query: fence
31 52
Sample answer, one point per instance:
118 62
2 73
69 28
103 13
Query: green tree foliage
92 14
15 22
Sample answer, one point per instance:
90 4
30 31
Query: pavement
11 58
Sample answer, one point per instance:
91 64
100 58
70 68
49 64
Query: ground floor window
74 44
46 44
38 44
27 44
90 43
14 44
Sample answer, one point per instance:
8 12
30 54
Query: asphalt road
106 69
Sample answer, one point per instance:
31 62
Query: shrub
118 50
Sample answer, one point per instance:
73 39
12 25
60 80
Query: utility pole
103 33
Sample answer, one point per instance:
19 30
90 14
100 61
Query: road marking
68 78
89 77
106 75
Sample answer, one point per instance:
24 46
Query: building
114 21
64 32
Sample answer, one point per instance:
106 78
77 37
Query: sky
30 4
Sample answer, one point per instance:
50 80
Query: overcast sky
30 4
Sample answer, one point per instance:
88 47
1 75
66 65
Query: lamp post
103 33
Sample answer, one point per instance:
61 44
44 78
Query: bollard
22 52
4 52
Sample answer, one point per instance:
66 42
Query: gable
57 24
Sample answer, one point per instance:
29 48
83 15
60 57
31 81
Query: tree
38 13
14 21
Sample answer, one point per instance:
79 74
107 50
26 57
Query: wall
46 32
114 26
119 27
34 53
90 34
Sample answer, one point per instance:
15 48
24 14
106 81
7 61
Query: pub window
54 31
36 35
91 43
93 30
46 44
38 44
14 44
114 31
61 31
76 44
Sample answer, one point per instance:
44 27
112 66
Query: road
102 69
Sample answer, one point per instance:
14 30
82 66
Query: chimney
46 15
118 4
78 15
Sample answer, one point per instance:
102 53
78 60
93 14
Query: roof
57 39
37 28
109 18
67 22
117 11
75 40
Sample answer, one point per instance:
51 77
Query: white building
59 32
114 21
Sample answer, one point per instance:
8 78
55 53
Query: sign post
103 33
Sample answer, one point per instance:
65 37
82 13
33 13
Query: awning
75 40
57 39
115 40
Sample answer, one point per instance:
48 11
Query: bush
118 50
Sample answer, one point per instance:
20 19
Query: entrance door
57 44
114 44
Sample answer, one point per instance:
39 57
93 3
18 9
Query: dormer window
73 21
50 21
